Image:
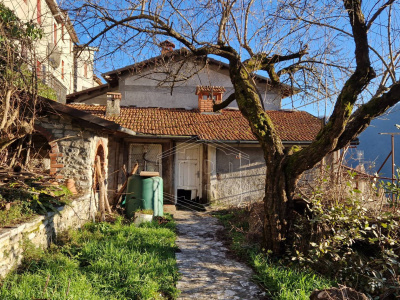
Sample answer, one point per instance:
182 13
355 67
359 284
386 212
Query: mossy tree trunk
279 183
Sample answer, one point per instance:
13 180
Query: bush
20 201
349 237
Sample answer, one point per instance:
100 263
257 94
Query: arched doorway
37 152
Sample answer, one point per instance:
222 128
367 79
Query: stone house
66 142
201 155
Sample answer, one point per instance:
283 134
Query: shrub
349 237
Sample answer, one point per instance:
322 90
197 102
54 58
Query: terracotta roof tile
228 125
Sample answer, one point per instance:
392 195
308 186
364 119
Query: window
62 69
43 74
85 73
55 34
39 12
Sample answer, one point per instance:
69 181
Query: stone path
207 272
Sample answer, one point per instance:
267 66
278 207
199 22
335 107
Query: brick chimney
208 95
167 47
113 107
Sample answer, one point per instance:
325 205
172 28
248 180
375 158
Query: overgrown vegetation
349 234
20 200
21 85
280 281
18 93
101 261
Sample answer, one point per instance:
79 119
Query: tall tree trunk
277 186
276 209
278 206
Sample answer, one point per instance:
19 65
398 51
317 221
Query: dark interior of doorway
185 201
185 195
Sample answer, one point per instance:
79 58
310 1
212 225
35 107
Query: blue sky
325 44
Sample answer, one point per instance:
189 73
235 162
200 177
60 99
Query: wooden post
122 189
107 204
101 188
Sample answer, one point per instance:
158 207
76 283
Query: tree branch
327 139
378 12
224 103
261 61
226 11
362 117
293 69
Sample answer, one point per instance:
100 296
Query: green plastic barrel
144 193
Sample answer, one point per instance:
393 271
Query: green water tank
144 193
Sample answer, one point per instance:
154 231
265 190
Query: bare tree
346 52
18 83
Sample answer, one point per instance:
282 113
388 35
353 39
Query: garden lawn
101 261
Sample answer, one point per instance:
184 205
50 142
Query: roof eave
80 114
253 142
76 95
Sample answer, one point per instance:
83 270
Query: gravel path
207 271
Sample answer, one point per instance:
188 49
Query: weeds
280 281
19 201
102 261
348 236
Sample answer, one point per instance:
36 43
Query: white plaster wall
145 89
85 57
28 11
239 177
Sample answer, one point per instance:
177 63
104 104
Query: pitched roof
50 106
229 125
112 77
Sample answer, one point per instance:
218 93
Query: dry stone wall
73 149
42 230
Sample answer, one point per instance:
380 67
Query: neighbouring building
60 61
201 155
373 153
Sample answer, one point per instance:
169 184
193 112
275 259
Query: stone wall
73 149
42 230
239 175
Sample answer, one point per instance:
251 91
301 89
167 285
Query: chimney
167 47
208 95
113 104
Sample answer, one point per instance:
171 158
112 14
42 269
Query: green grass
281 282
101 261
